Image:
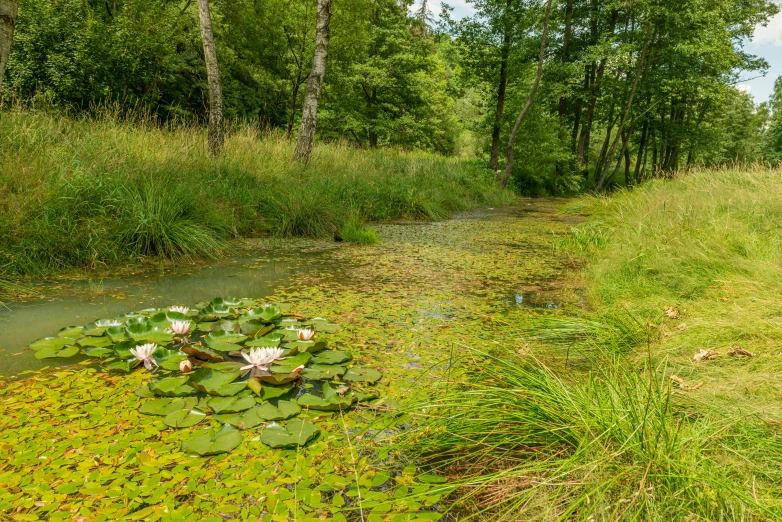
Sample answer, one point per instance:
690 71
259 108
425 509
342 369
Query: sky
767 43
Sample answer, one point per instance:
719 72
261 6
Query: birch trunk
216 137
309 114
525 110
8 11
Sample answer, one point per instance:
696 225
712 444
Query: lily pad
51 342
122 349
314 402
289 364
266 313
147 332
297 433
184 418
361 374
323 372
256 328
71 332
262 342
96 351
208 442
283 410
95 342
277 378
201 352
216 382
125 365
166 405
171 387
331 357
305 346
56 352
267 391
231 404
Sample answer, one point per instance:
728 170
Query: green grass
632 428
83 192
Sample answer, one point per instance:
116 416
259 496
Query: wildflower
305 334
181 327
144 353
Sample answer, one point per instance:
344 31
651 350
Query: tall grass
79 191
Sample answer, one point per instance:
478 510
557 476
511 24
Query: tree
8 12
309 115
216 137
530 99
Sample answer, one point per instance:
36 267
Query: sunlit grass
81 192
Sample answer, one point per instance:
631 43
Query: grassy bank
83 192
637 430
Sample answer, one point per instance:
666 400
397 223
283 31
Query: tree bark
309 114
8 12
641 150
620 131
530 99
215 133
495 133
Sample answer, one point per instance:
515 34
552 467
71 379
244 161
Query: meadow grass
77 192
636 430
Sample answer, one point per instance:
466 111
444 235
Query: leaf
92 351
255 328
297 433
123 366
305 346
320 372
262 342
96 342
171 387
55 352
184 418
210 443
283 410
288 364
230 404
361 374
166 405
266 391
216 382
202 352
264 313
147 332
221 337
331 357
51 342
277 378
314 402
71 332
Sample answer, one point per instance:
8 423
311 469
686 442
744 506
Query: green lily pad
305 346
225 366
322 325
122 349
125 365
323 372
262 342
56 352
265 313
231 404
361 374
116 333
216 382
267 391
71 332
277 378
208 442
256 328
51 342
172 387
244 421
283 410
166 405
95 342
218 308
169 359
297 433
98 328
184 418
201 352
96 351
314 402
147 332
331 357
289 364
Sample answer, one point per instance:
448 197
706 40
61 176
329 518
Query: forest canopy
629 89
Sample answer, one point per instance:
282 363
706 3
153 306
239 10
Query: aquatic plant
248 363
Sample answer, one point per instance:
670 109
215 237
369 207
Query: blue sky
766 43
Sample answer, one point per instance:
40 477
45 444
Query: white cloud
744 88
771 34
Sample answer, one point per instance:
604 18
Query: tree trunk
530 99
314 84
8 12
620 131
641 149
216 137
495 133
563 101
292 113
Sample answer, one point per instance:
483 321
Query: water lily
261 358
305 334
185 366
179 309
181 327
144 353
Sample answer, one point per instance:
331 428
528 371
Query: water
23 323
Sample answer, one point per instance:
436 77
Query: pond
419 305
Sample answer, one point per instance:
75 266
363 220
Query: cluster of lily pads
247 364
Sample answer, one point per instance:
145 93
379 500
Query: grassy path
75 447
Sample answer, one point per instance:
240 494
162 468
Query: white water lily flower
144 353
261 358
306 334
181 327
180 309
185 366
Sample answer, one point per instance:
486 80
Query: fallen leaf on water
706 355
738 351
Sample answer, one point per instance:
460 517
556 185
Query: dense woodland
629 89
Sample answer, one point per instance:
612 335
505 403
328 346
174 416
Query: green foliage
355 231
108 191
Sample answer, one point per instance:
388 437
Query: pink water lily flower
261 358
144 353
306 334
181 327
185 366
